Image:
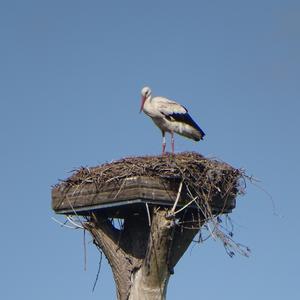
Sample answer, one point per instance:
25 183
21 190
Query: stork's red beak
142 104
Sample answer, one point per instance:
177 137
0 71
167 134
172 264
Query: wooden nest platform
144 212
124 186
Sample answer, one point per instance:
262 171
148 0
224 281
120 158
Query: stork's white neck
148 107
149 98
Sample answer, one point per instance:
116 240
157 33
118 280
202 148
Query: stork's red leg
163 143
172 142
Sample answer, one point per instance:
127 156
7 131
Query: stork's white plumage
170 117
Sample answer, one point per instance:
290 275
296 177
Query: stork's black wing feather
184 118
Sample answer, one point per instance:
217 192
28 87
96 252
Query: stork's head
146 93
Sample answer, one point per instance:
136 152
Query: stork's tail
198 134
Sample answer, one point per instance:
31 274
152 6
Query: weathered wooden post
162 201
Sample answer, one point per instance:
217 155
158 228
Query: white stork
169 116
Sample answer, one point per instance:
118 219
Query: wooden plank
129 189
152 189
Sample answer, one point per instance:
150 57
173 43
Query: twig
148 213
84 249
74 223
98 272
75 211
63 224
177 198
185 206
120 189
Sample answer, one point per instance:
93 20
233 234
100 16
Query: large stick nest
203 179
201 172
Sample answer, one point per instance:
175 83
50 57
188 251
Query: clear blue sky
70 79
